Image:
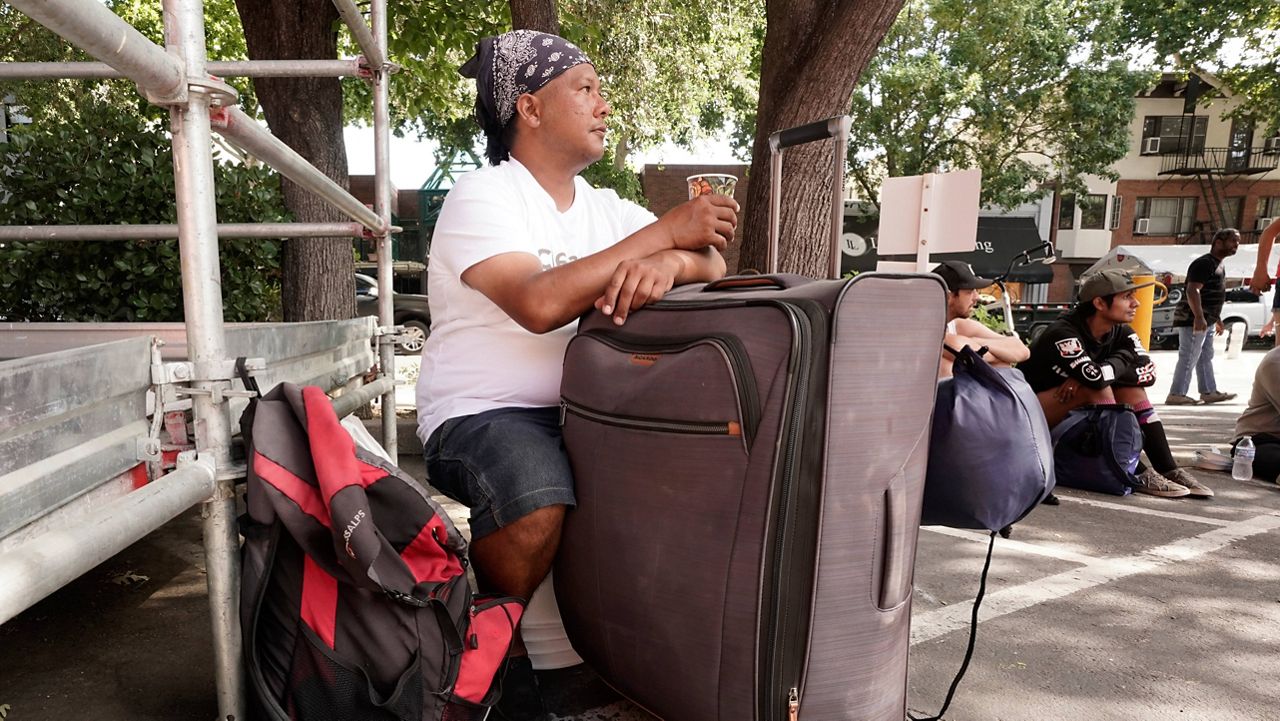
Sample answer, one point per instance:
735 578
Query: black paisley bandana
512 64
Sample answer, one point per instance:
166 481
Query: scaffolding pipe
98 31
226 69
245 132
170 231
53 559
382 205
349 401
206 346
369 45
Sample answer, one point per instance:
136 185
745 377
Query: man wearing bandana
522 248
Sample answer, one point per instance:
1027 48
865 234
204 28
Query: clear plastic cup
711 183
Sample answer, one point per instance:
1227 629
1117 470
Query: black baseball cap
959 275
1108 282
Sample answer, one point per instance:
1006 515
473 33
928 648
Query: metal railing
180 77
1225 161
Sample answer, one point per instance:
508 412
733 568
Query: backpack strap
973 639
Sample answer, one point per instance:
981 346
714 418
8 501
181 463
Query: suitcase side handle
895 574
836 127
754 282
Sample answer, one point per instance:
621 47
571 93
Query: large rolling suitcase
749 458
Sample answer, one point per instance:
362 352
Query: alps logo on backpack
1096 448
354 600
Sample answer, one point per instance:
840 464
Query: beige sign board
927 214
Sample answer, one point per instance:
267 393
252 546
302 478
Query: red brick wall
361 186
665 188
1131 190
1062 286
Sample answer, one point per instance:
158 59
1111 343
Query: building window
1166 134
1231 208
1268 210
1116 202
11 114
1066 212
1164 216
1093 212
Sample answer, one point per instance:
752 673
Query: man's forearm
699 266
1193 300
544 300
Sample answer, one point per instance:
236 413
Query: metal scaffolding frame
180 77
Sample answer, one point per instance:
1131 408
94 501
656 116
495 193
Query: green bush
110 166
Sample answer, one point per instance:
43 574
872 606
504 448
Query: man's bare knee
1131 395
515 558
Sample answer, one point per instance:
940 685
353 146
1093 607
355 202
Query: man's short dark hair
1225 234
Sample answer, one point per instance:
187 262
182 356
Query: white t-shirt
477 358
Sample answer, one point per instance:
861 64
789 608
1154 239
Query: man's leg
510 468
1204 367
1188 353
514 559
1164 478
1154 441
1055 410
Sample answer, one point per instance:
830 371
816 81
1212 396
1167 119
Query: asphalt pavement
1100 608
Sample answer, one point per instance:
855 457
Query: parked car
409 310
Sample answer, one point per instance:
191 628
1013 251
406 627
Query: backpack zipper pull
793 705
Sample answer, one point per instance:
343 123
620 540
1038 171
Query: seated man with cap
962 297
1091 355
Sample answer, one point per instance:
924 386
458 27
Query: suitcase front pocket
701 385
704 428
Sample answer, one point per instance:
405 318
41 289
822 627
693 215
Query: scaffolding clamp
220 93
365 71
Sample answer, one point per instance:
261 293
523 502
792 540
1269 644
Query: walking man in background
1200 308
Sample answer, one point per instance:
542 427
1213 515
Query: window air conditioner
1140 226
1271 145
1262 223
1150 146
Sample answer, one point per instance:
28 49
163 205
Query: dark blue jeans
503 464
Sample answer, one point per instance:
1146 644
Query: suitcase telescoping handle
838 128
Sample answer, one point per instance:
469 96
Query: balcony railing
1219 160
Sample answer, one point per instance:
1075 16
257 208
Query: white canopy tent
1174 259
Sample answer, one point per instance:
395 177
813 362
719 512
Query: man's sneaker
1179 400
1183 477
1216 397
1152 483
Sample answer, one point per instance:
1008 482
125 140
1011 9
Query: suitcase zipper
779 617
739 363
793 705
710 428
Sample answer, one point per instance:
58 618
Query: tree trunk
814 51
305 113
535 15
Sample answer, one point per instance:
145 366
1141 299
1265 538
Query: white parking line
1050 550
941 621
1207 520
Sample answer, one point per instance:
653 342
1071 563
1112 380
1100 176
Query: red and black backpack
355 602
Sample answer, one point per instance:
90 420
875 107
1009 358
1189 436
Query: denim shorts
503 464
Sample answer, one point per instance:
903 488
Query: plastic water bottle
1242 469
